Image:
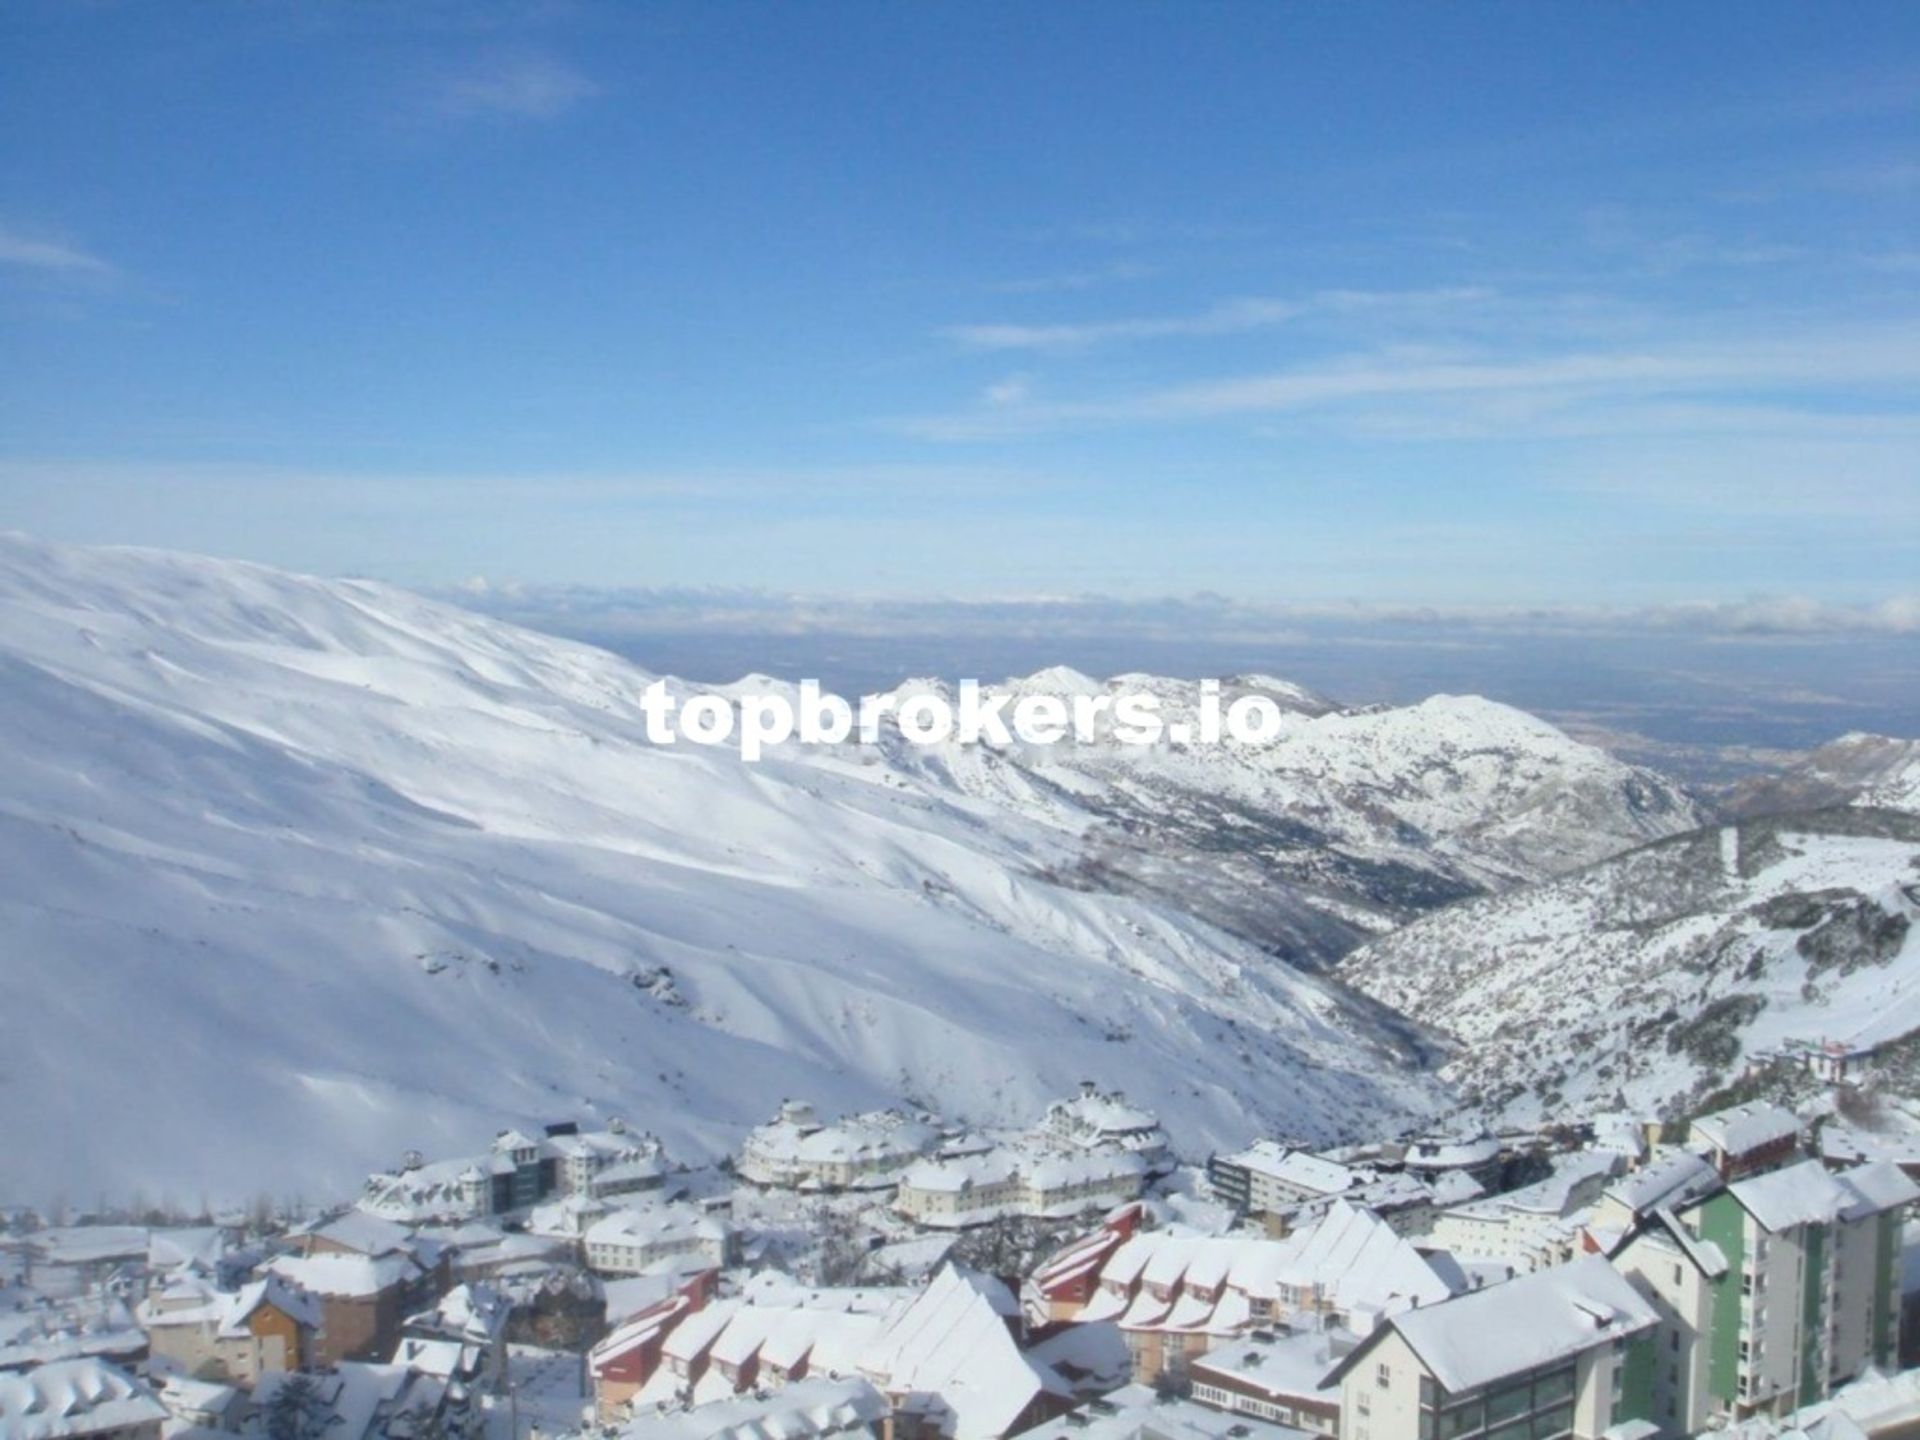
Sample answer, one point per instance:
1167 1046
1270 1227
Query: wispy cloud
1229 317
33 252
1881 357
1117 273
517 87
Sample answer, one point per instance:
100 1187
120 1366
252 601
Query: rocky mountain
1649 979
1343 825
1856 769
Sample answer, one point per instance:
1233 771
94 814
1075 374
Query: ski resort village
893 1275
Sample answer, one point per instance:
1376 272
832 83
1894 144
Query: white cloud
38 253
1368 388
1229 317
1224 319
526 87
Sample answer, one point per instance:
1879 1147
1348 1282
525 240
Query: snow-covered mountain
1649 978
297 874
1856 769
1343 825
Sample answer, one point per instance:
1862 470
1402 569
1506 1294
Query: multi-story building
1267 1178
1176 1297
1563 1352
232 1336
1272 1376
796 1150
517 1172
663 1237
965 1190
1774 1290
1092 1120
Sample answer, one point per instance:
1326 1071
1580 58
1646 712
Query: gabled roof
1670 1181
949 1354
275 1290
1539 1318
807 1408
73 1397
343 1274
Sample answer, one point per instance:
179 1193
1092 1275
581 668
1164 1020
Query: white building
1774 1290
956 1192
1535 1227
1565 1351
666 1237
517 1172
1092 1120
796 1151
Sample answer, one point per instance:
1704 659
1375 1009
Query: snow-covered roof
36 1329
1136 1412
1435 1152
90 1244
1535 1320
275 1290
73 1397
1296 1167
950 1355
659 1225
1745 1128
364 1233
1841 1143
476 1313
1351 1258
192 1301
342 1274
1297 1364
800 1411
186 1245
356 1398
641 1328
1670 1181
1809 1193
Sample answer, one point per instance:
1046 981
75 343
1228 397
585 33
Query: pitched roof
1534 1320
73 1397
949 1355
806 1408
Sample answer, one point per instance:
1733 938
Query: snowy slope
1344 825
297 874
1856 769
1650 978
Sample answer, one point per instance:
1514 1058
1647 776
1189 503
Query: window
1504 1405
1555 1385
1383 1376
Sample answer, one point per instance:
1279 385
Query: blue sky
1470 305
